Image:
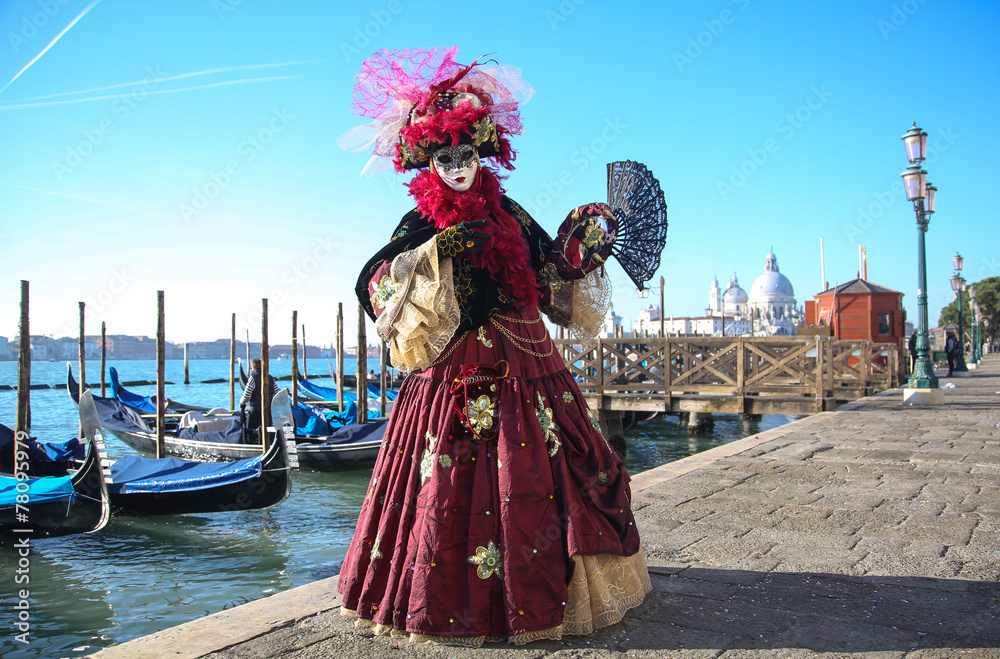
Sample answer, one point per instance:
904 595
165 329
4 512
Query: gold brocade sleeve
421 315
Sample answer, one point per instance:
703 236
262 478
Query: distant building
612 323
218 349
768 310
772 302
5 351
122 346
69 348
732 302
860 309
648 322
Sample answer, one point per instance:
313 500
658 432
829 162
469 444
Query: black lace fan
636 199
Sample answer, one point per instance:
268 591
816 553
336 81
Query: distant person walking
250 400
913 351
951 348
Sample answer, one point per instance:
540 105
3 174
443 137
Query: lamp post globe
916 144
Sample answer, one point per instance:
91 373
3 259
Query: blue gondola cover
358 432
318 392
132 474
71 449
143 403
47 488
231 435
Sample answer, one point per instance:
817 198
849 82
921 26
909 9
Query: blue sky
190 146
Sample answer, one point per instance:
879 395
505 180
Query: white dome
772 286
734 294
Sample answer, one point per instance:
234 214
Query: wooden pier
795 375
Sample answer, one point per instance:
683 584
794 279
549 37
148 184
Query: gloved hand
462 239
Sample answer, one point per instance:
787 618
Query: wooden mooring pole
161 397
340 357
82 352
305 354
362 368
663 331
232 365
383 386
104 354
187 376
23 419
265 380
295 358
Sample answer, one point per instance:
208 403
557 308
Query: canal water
139 576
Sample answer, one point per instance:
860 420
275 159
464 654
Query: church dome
734 294
772 286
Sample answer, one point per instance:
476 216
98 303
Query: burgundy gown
472 539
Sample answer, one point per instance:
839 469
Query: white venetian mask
456 166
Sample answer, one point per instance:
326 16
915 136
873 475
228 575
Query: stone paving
871 531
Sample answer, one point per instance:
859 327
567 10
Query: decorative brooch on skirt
476 393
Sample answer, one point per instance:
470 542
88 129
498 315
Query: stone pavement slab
870 531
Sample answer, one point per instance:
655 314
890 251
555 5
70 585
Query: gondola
146 403
326 451
68 501
373 389
189 435
316 392
353 446
318 396
140 486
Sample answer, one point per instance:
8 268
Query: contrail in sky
95 201
51 43
179 76
161 91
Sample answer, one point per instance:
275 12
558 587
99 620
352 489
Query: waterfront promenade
872 531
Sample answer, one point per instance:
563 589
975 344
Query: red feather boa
505 256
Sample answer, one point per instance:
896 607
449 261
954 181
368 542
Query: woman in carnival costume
496 509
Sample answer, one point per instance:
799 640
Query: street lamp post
973 357
974 312
979 333
922 195
958 285
644 293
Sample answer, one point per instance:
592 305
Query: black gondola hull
269 488
85 511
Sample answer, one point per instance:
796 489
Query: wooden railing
752 375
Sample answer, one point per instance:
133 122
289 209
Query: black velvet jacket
479 295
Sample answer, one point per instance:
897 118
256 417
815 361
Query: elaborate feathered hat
421 99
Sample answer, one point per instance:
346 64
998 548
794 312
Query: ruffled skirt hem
603 589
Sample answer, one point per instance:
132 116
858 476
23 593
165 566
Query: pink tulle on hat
420 99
